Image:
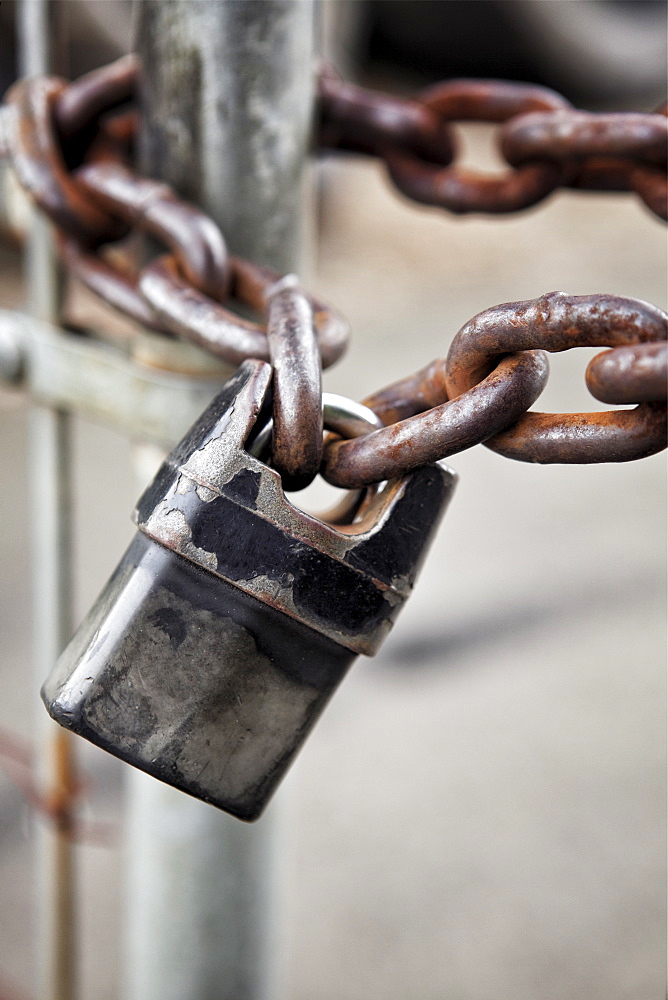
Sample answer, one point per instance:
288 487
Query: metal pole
227 92
42 51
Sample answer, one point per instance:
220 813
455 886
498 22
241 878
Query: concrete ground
480 813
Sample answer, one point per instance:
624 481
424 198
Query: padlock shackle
341 415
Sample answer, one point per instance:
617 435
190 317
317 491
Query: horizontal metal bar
94 380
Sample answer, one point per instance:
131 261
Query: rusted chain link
71 145
558 322
446 427
40 167
450 405
297 384
461 190
578 135
153 208
632 374
94 94
184 310
366 121
115 284
547 143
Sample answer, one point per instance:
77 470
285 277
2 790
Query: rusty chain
546 143
70 145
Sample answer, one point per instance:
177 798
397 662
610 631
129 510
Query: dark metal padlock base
247 676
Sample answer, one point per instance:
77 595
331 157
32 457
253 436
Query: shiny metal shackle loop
341 415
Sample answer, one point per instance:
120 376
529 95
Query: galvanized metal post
42 51
227 92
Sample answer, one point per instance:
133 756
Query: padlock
233 615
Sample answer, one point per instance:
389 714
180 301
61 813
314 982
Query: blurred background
479 815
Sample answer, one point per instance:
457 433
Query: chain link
493 374
558 322
71 145
297 385
547 143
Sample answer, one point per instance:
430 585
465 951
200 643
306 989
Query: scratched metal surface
480 811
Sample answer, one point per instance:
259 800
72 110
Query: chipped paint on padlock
211 492
233 615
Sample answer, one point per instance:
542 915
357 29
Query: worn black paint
400 549
172 623
351 591
247 546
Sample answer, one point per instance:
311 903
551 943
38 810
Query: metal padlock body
233 615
